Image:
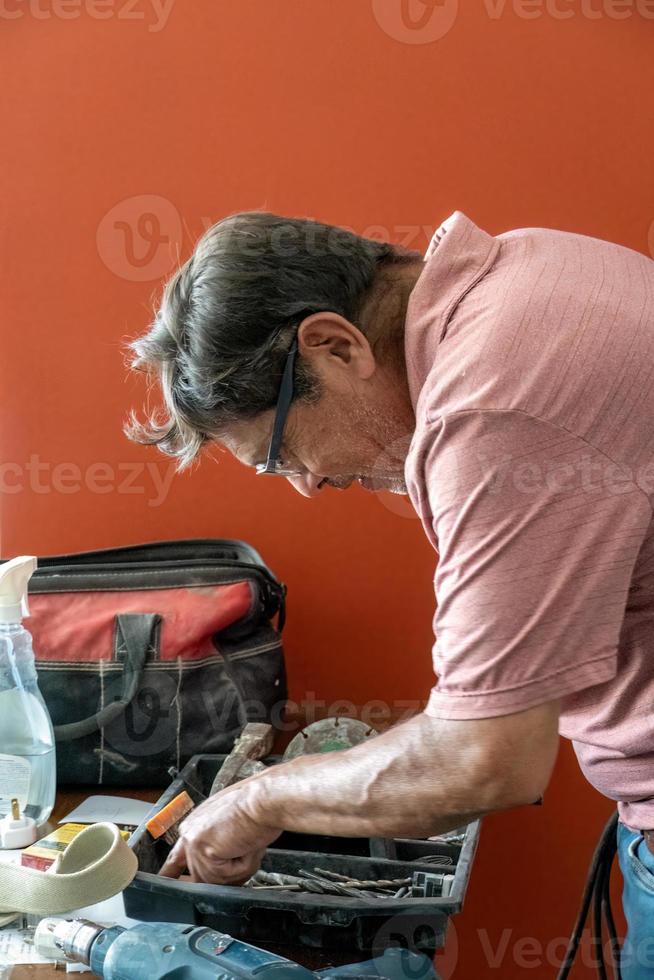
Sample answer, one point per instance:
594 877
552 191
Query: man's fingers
223 871
238 870
175 863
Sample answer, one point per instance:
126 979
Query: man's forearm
421 778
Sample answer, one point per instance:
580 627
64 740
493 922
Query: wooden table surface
66 800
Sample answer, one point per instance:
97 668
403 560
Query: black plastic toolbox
285 918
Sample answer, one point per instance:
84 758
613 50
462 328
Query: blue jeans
637 866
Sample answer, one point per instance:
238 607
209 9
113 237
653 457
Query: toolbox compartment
287 918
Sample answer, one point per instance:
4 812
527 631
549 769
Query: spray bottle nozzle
14 578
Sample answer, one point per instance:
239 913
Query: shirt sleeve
537 534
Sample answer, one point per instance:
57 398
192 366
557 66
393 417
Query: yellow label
59 840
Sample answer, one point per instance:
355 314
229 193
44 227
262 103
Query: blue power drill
165 950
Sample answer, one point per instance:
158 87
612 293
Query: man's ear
329 341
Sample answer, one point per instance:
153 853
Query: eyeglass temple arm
283 404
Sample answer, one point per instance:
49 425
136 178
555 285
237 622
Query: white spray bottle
27 752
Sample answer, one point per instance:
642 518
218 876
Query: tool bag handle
186 554
137 632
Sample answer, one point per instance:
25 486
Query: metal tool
321 882
420 884
328 735
254 743
160 950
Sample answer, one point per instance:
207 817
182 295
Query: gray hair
227 317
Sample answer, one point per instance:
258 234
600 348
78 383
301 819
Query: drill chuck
67 940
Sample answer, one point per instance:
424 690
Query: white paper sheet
115 809
16 943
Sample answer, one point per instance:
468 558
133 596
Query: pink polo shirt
530 359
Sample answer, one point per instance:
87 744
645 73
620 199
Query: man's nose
308 484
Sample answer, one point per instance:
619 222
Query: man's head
256 285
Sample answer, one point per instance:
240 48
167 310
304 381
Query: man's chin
387 484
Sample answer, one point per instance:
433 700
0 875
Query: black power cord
597 893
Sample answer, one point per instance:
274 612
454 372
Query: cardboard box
45 851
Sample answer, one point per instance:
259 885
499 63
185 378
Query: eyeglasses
274 465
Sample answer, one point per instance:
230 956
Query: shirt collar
458 255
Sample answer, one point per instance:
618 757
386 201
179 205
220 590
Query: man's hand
219 841
423 777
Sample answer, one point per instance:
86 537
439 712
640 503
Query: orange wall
341 110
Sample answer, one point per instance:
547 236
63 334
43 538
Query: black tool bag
149 654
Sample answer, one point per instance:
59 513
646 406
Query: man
505 384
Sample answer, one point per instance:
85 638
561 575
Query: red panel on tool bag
79 626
